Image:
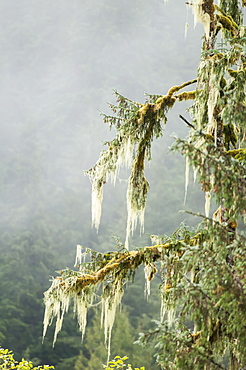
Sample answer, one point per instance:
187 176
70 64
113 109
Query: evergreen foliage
119 363
203 289
7 361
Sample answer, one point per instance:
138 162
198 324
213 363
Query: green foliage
7 361
208 292
119 363
227 173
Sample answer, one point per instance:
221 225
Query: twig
187 122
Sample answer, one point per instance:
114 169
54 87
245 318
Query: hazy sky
60 61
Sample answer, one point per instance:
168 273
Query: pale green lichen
110 303
201 16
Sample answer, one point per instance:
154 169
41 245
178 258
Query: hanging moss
239 154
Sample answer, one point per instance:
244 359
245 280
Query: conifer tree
203 271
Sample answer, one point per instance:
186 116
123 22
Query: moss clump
227 23
239 154
186 95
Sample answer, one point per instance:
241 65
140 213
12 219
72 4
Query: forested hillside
59 63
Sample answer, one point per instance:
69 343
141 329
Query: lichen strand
111 299
56 300
138 185
81 305
206 112
216 70
119 154
207 203
150 270
235 104
202 16
217 170
187 175
219 106
210 74
136 202
96 202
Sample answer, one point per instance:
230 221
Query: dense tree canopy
203 284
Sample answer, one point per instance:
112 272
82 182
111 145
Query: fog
60 61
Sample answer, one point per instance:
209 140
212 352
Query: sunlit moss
186 95
227 23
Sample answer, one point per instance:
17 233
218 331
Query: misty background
59 63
